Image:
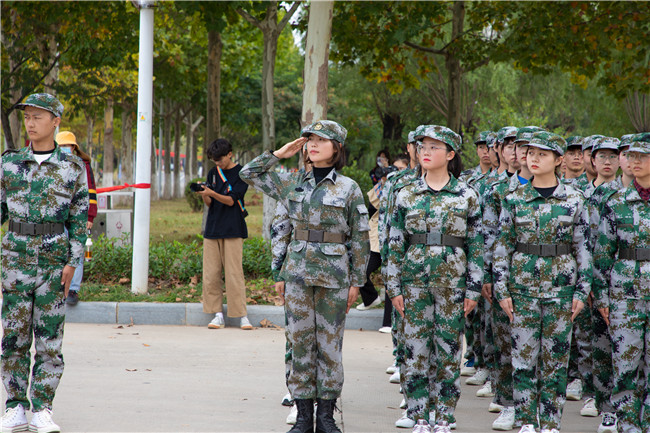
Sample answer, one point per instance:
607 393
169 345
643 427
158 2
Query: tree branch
426 49
248 17
288 15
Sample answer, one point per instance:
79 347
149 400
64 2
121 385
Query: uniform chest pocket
625 224
294 204
415 221
524 222
565 220
457 222
333 210
65 194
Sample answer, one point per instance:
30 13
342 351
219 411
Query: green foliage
193 199
256 258
360 176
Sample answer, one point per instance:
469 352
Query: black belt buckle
434 238
315 236
547 250
642 253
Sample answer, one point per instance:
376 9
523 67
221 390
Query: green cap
44 101
588 142
626 140
640 143
326 129
441 133
506 132
484 137
574 141
526 133
549 141
610 143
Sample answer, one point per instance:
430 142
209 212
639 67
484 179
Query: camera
196 186
384 171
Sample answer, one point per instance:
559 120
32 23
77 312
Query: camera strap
229 188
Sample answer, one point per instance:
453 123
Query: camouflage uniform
317 275
434 280
542 287
622 284
33 305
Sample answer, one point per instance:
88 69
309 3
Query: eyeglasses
636 155
429 148
605 158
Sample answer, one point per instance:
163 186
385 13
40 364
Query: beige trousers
223 255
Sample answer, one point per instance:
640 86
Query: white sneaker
485 390
550 430
217 322
14 420
589 408
287 400
405 422
422 426
479 377
574 390
385 330
362 306
394 378
432 417
468 368
245 324
402 405
609 423
495 407
527 428
42 423
392 368
293 415
442 427
506 419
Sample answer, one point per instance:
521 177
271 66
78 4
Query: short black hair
218 148
404 157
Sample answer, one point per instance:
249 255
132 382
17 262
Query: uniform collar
631 193
309 176
452 186
530 193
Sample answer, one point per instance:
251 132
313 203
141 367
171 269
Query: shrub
195 201
257 258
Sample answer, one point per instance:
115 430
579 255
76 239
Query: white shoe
550 430
287 400
362 306
506 419
479 377
527 428
42 423
245 324
405 422
609 423
392 368
14 420
485 390
468 368
385 330
394 378
402 405
217 322
442 427
422 426
432 417
495 407
589 408
574 390
293 415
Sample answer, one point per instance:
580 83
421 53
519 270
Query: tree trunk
189 138
48 48
213 117
178 126
6 129
270 33
453 68
127 143
167 138
392 126
319 33
90 126
109 150
195 154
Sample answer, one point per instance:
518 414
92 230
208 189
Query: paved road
147 378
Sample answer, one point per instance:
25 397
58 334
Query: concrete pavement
146 378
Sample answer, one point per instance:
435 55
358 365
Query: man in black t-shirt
223 239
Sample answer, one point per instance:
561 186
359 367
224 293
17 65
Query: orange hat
66 137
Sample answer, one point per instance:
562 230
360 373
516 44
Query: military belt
319 236
437 238
544 250
22 228
634 254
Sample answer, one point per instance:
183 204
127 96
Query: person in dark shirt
223 238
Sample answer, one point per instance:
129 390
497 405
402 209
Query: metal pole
159 160
142 202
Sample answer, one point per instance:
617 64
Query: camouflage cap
441 133
588 142
526 133
326 129
411 137
610 143
549 141
506 132
483 137
640 143
574 141
44 101
626 140
491 139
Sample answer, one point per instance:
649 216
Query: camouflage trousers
315 324
433 324
541 340
629 327
33 308
469 336
486 336
502 375
601 357
580 359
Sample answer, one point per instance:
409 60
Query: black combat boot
325 416
305 420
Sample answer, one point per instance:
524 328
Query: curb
191 314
